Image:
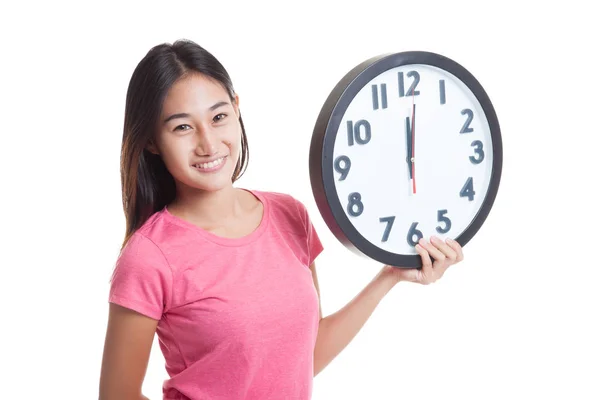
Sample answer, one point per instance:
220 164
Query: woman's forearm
337 330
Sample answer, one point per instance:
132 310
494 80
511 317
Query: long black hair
146 184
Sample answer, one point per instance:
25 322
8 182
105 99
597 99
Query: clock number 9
342 165
354 201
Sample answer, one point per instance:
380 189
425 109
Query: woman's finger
445 248
433 251
457 248
427 269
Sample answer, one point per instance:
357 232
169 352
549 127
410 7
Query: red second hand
413 145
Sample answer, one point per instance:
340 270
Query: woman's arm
337 330
127 348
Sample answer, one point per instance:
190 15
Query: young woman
224 276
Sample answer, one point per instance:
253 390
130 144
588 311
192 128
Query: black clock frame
323 140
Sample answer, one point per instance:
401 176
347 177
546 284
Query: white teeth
210 164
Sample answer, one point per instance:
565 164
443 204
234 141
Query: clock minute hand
412 147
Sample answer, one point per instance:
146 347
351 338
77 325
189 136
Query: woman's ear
236 105
151 147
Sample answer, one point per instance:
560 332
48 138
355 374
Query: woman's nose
207 144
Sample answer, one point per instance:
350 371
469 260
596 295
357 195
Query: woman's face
199 134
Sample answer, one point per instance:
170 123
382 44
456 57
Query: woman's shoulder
284 207
154 225
162 229
280 201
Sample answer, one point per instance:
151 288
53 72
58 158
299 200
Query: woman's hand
444 254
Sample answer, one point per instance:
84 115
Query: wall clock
407 145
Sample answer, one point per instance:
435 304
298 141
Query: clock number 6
412 232
354 200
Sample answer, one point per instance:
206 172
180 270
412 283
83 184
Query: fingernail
448 240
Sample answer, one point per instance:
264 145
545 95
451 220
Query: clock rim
323 141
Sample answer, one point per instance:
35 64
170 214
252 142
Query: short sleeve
313 243
142 278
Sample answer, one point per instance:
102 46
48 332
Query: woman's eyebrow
175 116
186 115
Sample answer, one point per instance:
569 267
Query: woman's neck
208 208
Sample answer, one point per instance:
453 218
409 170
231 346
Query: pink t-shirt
238 318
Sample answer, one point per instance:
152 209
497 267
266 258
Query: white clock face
401 175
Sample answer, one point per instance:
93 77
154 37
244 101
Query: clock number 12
412 89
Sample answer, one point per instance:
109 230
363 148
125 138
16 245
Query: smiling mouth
210 165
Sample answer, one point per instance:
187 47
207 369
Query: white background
518 318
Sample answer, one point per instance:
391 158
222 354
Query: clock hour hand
409 147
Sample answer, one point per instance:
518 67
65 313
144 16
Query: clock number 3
479 151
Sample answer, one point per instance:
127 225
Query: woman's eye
219 117
177 128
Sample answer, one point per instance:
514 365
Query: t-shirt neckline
249 238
